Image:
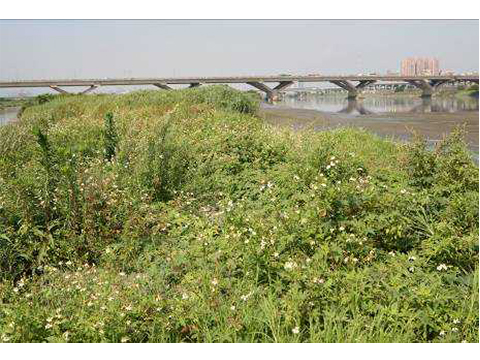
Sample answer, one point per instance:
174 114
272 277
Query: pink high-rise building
420 66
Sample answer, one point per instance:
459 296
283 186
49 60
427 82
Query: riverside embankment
181 216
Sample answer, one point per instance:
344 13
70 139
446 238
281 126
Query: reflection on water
9 114
389 116
383 104
355 106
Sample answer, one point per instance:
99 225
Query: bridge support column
271 93
91 88
194 85
353 90
427 87
60 90
162 86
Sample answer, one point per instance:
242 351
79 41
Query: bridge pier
194 85
272 94
428 87
91 88
62 91
162 86
353 90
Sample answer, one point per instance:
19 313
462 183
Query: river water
9 114
389 115
384 104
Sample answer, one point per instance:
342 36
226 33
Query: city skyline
420 66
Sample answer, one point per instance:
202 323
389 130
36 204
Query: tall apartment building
419 66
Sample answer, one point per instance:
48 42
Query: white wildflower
290 265
442 267
245 297
296 330
262 244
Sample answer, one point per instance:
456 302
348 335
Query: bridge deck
227 80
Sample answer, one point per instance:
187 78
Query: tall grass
180 216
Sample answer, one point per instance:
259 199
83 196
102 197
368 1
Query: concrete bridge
352 84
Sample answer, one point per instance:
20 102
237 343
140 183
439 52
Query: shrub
110 137
185 218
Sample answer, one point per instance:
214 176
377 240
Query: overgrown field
181 217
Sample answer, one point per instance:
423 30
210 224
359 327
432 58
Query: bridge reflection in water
384 104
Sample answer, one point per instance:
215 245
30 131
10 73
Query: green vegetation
180 216
472 90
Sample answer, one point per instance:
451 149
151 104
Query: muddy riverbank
398 126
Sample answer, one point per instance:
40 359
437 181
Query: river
389 115
8 115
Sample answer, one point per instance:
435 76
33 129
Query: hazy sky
138 48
